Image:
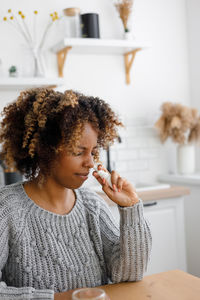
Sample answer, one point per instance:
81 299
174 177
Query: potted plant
182 125
13 71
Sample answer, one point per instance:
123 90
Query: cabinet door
167 224
166 218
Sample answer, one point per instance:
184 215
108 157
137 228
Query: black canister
90 25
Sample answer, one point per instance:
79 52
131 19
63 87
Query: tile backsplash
140 148
138 157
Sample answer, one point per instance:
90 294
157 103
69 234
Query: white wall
159 74
193 18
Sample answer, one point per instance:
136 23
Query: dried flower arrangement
34 43
179 122
124 9
18 22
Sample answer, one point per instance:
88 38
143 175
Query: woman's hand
122 193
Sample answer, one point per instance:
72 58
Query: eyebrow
82 147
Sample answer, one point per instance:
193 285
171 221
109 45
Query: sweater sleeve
127 248
8 216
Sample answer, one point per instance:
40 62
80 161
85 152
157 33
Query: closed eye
77 154
80 153
93 153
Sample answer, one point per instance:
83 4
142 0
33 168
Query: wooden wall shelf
127 48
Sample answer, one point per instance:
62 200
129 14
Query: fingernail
119 190
114 187
104 181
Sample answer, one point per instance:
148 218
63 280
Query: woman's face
71 170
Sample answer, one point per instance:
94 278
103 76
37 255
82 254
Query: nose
89 161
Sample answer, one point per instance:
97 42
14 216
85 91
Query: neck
51 195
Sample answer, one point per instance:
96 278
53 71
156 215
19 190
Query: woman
54 235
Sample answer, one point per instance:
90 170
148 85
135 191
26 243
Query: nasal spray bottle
104 175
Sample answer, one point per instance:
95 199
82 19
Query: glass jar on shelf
72 22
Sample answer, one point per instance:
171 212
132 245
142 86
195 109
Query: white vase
128 35
39 67
186 159
32 62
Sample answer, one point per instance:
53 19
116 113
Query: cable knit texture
42 253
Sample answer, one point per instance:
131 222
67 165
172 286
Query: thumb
107 189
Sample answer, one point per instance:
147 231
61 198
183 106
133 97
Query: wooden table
171 285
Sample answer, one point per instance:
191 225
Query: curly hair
42 122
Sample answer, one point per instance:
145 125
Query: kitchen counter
171 192
189 179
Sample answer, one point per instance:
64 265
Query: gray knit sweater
42 253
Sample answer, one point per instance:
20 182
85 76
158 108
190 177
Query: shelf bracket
129 62
61 57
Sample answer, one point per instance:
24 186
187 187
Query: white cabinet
166 218
167 225
192 217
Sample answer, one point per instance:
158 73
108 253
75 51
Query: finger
101 167
98 178
114 178
95 174
102 181
119 185
136 198
107 189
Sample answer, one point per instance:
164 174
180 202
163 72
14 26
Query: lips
82 176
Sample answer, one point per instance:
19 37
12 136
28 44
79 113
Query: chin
78 186
74 186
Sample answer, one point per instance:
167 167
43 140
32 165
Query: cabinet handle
150 204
